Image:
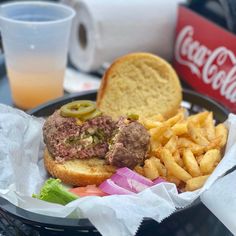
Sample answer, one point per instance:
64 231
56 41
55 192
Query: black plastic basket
195 220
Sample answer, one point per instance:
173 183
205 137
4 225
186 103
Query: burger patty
121 143
67 139
129 145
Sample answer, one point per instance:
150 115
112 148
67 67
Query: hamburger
87 151
87 148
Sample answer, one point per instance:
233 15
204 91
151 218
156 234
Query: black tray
194 220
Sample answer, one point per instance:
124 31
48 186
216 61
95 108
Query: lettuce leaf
53 191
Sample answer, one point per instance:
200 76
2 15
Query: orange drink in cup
35 40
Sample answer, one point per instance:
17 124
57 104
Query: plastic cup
35 39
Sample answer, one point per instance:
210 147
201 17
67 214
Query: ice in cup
35 39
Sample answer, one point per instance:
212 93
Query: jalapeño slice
78 109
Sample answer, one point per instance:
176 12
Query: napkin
22 173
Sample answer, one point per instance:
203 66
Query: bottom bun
79 172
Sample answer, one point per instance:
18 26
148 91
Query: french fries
209 160
184 150
191 163
180 128
178 158
196 183
222 132
196 134
209 127
150 168
173 167
172 144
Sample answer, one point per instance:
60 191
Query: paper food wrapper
221 200
22 173
103 31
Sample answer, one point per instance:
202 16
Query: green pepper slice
91 115
133 116
78 108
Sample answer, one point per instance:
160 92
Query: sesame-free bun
139 83
79 172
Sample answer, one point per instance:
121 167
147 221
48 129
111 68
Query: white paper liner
22 173
221 200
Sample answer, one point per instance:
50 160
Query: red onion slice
126 172
126 181
129 184
108 186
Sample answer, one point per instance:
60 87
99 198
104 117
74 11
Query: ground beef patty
122 143
129 145
66 139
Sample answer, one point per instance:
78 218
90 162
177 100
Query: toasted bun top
139 83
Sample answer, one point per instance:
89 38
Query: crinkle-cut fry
172 144
196 134
186 143
172 166
150 168
173 120
180 128
198 118
209 161
196 183
191 163
222 131
209 127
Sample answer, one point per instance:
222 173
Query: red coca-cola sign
205 57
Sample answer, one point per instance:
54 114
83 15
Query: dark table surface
5 93
208 224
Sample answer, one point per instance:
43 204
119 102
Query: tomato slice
90 190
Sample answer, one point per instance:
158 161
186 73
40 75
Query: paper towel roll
105 30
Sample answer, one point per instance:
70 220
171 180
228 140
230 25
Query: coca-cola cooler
205 49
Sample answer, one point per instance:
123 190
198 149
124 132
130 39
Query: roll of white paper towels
104 30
